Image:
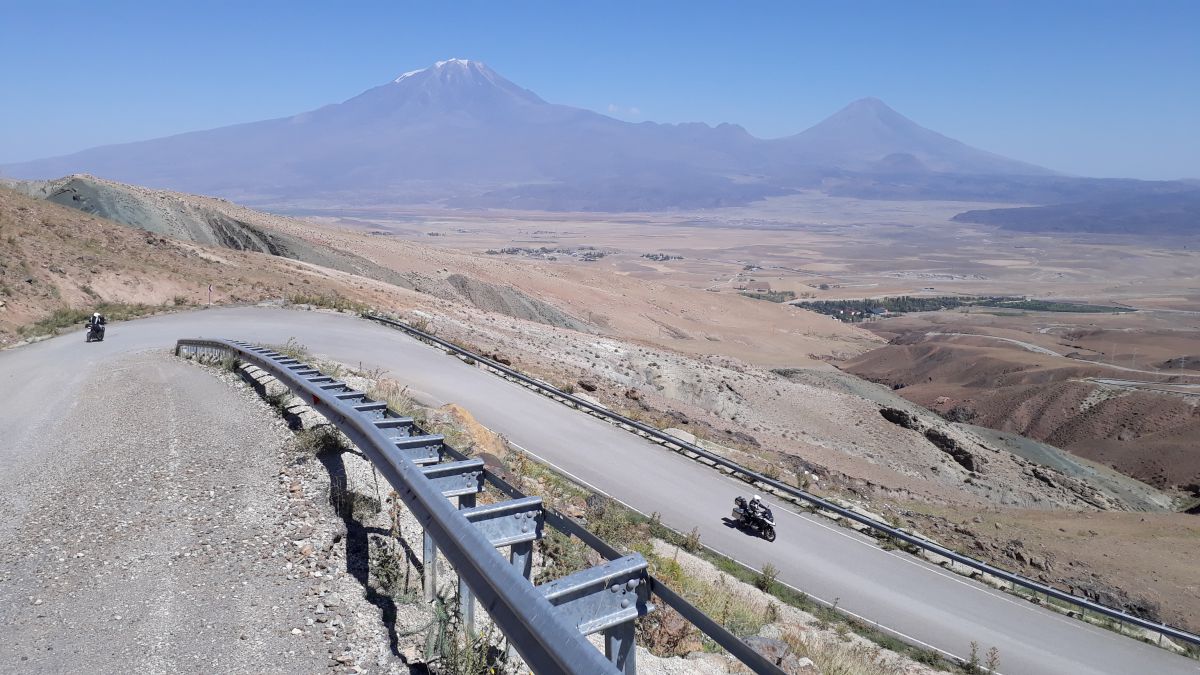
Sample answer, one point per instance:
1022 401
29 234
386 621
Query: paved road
916 599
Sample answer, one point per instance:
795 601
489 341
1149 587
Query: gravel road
141 541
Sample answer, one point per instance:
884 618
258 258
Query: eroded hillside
53 257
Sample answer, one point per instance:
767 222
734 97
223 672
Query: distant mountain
459 134
869 136
1176 213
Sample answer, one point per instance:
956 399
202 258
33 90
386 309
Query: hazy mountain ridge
459 134
1172 213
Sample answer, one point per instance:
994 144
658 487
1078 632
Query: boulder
774 650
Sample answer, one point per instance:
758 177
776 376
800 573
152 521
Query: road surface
905 595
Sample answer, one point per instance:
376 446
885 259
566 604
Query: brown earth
1141 562
1146 433
54 257
685 319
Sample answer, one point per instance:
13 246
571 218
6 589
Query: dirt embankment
1144 434
510 301
1143 563
203 220
809 420
54 257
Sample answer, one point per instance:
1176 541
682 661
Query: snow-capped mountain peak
448 64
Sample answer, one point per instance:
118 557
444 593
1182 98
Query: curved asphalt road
903 594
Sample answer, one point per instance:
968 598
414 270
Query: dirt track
145 543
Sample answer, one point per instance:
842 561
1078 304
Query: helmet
756 499
96 314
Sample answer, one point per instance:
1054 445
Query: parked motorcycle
762 523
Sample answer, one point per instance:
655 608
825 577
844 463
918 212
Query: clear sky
1093 88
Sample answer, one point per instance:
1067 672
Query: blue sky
1092 88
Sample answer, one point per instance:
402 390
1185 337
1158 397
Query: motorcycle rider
756 506
96 323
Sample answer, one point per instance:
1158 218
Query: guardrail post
466 601
619 647
521 557
429 566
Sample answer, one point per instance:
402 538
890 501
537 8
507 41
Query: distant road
1163 387
1027 346
1038 349
903 594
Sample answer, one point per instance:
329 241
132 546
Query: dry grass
840 657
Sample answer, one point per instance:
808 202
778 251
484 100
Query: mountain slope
55 257
459 134
1175 213
456 130
867 135
203 220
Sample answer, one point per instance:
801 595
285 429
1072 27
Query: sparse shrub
459 655
618 526
766 577
972 663
666 633
351 505
772 471
320 439
179 301
292 348
329 301
691 543
565 554
393 572
771 613
395 395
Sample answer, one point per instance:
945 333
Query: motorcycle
762 523
95 333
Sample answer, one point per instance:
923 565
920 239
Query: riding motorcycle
95 333
763 523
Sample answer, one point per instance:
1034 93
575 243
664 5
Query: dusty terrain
168 556
825 248
53 257
1105 387
673 341
1142 562
859 248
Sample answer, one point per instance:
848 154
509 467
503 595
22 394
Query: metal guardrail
546 624
753 476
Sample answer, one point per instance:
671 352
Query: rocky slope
55 258
804 420
1148 435
203 220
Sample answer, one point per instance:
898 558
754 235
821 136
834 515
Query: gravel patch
157 541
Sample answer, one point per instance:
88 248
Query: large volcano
458 133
